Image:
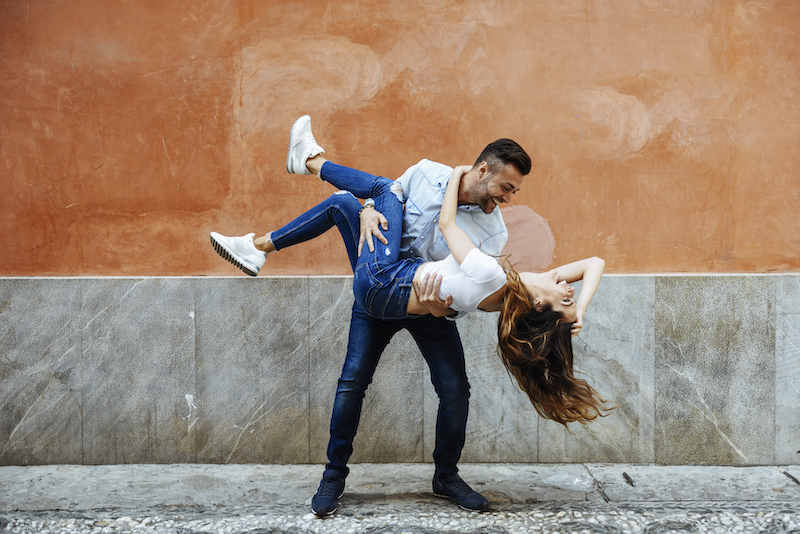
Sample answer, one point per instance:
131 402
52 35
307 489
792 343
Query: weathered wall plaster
665 135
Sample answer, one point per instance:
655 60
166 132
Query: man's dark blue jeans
440 345
437 338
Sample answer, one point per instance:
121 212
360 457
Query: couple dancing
438 232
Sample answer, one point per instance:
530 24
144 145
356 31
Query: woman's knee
345 199
387 189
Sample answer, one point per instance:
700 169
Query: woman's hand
590 271
371 222
461 170
577 325
428 295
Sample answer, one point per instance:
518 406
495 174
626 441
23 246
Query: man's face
493 188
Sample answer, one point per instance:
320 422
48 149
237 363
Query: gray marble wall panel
715 369
704 370
330 325
137 366
390 427
787 372
392 424
614 353
40 378
502 423
252 370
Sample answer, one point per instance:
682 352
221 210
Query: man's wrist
369 203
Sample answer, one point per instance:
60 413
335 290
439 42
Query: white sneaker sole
230 256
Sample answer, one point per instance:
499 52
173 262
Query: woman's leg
340 209
381 282
343 211
365 185
361 184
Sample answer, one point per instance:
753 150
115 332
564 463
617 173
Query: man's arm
427 292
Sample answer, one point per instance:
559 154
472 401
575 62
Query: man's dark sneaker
326 500
452 487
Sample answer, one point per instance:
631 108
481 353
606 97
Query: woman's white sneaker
240 251
302 146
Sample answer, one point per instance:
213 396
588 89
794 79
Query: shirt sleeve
495 244
405 181
481 267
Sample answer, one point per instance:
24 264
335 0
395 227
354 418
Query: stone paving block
40 364
138 349
715 370
614 353
695 483
252 370
133 488
787 371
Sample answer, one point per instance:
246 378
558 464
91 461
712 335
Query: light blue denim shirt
423 186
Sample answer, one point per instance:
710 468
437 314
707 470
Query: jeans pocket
367 288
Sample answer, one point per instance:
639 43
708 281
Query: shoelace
311 143
460 486
328 488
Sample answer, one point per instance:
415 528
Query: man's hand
428 295
371 222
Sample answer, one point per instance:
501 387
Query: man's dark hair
505 151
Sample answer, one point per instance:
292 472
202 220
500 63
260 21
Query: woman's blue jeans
384 285
381 282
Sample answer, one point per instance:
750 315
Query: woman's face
549 289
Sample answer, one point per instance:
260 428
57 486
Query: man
497 174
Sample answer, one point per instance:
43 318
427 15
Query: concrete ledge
704 370
138 488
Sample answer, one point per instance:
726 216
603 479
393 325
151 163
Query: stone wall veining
702 369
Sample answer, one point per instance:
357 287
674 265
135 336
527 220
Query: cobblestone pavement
395 498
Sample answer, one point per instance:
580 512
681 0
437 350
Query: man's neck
465 196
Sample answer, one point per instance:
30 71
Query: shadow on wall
530 240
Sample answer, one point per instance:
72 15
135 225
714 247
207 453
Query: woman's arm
458 241
590 271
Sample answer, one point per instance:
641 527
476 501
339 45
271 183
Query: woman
538 312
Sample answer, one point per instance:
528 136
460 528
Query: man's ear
483 170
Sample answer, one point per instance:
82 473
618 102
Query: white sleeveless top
468 283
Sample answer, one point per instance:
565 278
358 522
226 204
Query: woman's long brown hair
536 349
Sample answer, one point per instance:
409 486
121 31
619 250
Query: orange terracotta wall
665 134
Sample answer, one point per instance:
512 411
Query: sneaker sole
228 256
324 515
292 134
459 504
332 511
